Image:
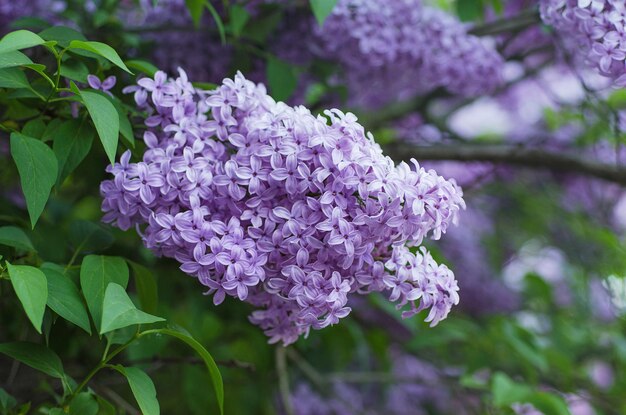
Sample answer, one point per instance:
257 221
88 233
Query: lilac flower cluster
15 9
393 50
595 28
287 211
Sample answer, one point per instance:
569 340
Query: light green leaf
106 120
281 78
142 66
6 400
214 372
20 39
13 78
147 289
84 404
36 356
195 7
548 404
72 142
31 288
100 49
38 169
96 272
322 9
15 237
143 389
65 300
12 59
118 311
506 392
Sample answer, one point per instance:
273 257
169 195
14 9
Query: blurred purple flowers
595 28
274 206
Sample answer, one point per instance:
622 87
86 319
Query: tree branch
514 155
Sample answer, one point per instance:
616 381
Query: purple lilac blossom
272 205
395 50
11 10
593 30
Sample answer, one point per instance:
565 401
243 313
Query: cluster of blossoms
394 50
11 10
596 28
280 208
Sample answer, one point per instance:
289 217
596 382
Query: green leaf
548 404
75 70
126 128
13 78
195 7
106 120
143 66
105 407
38 170
469 10
15 237
147 289
31 288
281 78
616 100
214 371
96 272
20 39
322 9
65 300
6 400
12 59
143 389
506 392
239 16
36 356
34 128
84 404
62 34
89 236
118 311
72 142
100 49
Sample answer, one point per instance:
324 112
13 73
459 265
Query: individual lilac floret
290 212
594 30
397 49
104 86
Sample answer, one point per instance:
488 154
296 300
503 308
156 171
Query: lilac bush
394 50
274 206
594 29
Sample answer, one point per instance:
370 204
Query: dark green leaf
36 356
65 300
214 371
75 70
126 128
118 311
322 9
217 19
195 7
106 120
96 273
12 59
143 389
281 78
62 34
548 403
72 142
143 66
88 236
105 407
84 404
20 39
147 289
469 10
15 237
38 169
6 400
100 49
